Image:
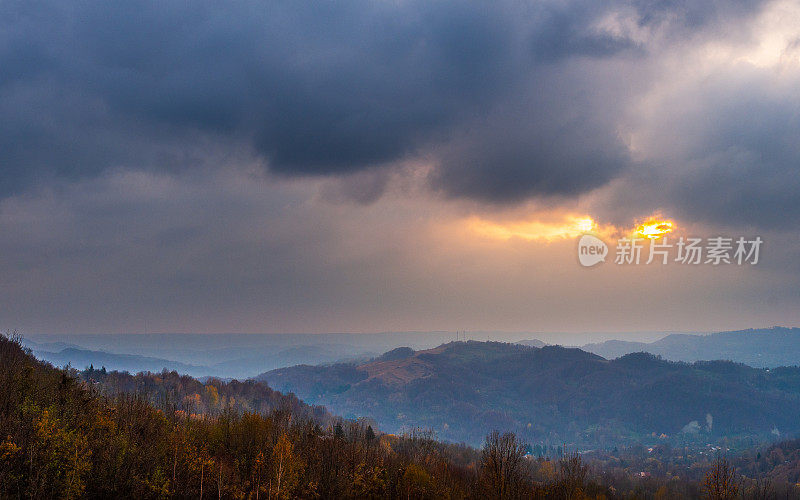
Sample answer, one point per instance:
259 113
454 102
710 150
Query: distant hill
395 354
231 355
532 343
262 359
82 358
761 348
554 395
229 363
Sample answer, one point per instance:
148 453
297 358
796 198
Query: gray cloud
217 252
725 151
315 89
318 89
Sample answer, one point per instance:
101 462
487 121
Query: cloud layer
285 165
504 102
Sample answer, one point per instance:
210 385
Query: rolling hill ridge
760 348
553 395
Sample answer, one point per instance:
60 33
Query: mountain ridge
760 348
552 394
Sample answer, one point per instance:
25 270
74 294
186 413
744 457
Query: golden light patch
654 228
585 224
567 227
549 227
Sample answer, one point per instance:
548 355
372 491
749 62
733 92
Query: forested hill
60 438
554 395
192 397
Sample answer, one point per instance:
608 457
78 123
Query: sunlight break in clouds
568 227
565 227
654 228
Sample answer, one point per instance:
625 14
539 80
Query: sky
367 166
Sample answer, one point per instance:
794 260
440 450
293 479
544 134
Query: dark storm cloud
322 88
510 165
315 88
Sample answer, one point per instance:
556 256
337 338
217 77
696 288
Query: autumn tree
503 467
287 467
417 483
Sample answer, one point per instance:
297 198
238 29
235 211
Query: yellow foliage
287 467
213 396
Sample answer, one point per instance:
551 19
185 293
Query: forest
95 434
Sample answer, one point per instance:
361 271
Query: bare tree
572 476
761 489
503 465
721 482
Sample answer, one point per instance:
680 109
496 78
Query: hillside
760 348
63 438
212 398
554 395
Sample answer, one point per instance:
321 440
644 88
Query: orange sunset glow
548 228
567 227
654 228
